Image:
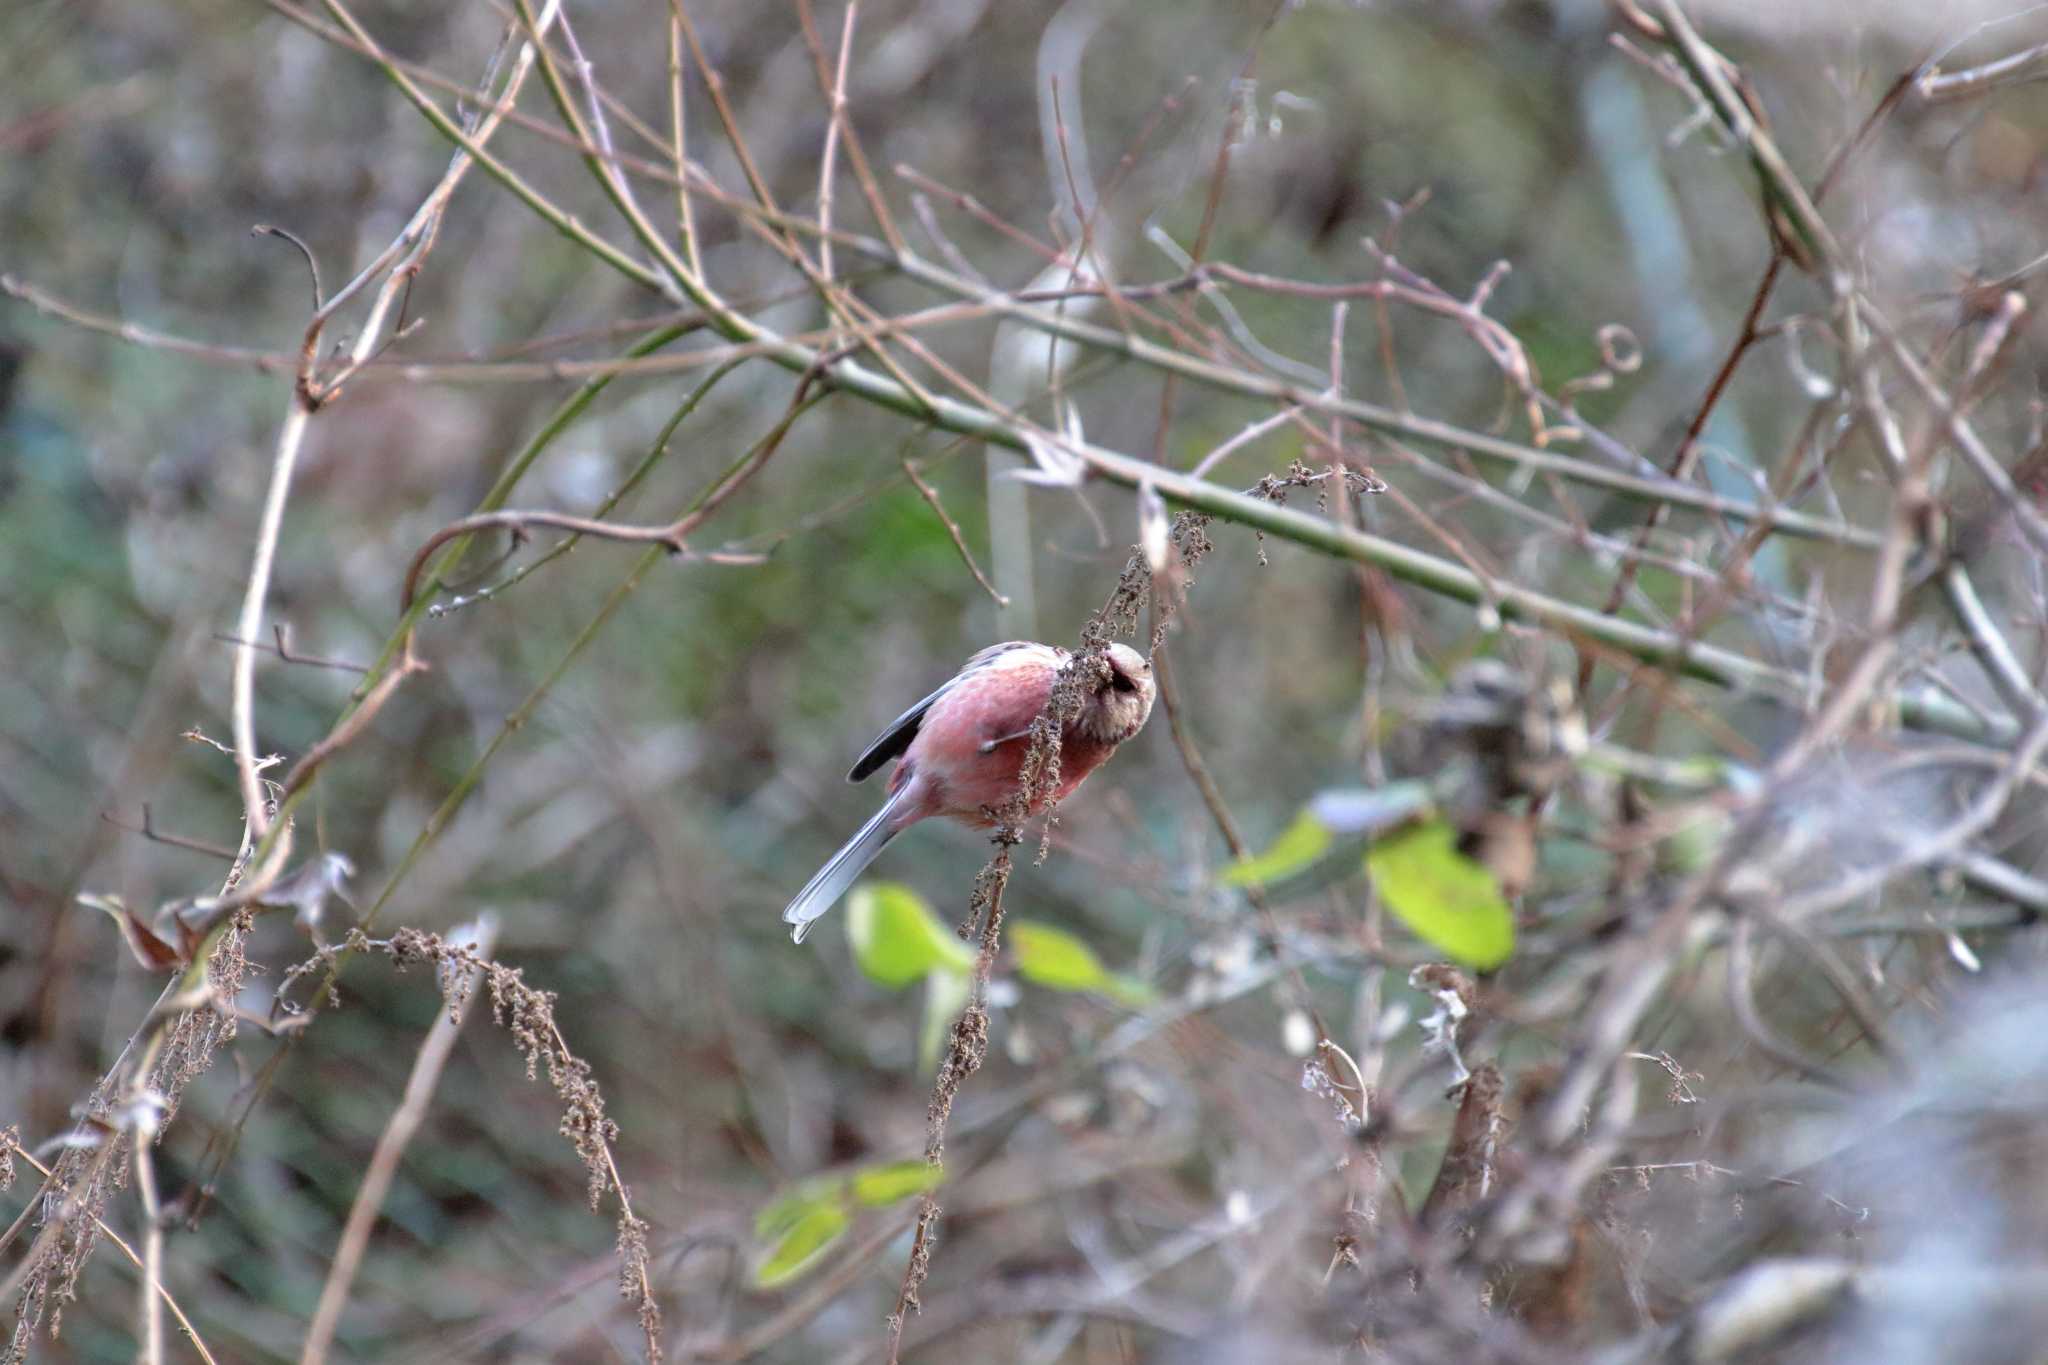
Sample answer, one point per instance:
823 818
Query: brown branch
833 87
1748 333
686 219
283 650
1232 125
768 223
852 1266
312 262
931 498
672 537
263 362
148 830
517 521
142 1163
351 725
978 211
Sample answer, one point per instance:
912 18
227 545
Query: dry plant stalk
528 1016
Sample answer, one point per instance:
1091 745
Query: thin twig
1936 86
931 498
827 162
148 830
667 536
686 221
834 88
283 650
671 536
349 726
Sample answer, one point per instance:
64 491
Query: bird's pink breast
946 763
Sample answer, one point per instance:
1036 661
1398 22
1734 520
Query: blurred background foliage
637 838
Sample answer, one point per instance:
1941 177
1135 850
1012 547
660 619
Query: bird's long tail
823 891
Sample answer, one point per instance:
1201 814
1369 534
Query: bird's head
1117 700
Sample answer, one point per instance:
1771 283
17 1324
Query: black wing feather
893 741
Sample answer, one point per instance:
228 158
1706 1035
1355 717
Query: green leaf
1057 960
805 1223
879 1186
1328 835
945 995
1447 899
792 1207
897 939
1298 846
803 1238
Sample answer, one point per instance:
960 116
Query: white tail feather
841 870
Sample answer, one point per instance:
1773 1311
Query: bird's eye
1121 683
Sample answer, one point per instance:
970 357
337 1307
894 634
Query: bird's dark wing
894 740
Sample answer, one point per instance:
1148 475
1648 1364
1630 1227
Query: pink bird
959 751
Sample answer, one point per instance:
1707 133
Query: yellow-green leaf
1448 900
1298 846
1056 959
804 1238
792 1207
879 1186
945 995
1053 957
897 939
